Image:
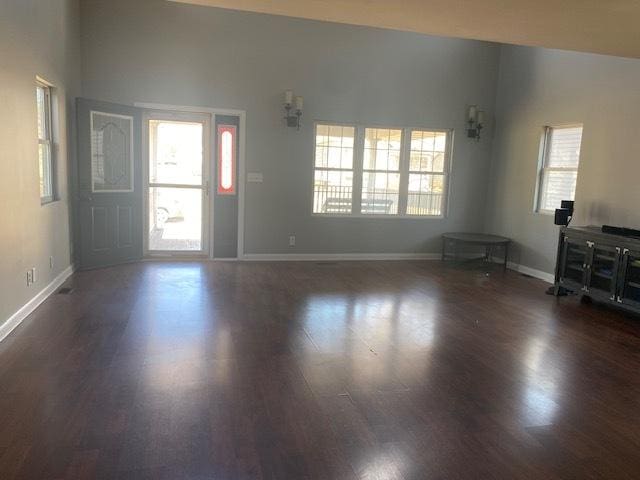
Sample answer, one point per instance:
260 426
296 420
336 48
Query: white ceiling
600 26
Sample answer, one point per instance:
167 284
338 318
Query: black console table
482 239
599 265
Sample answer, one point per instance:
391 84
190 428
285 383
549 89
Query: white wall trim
16 319
539 274
315 257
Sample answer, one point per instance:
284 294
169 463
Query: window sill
48 201
547 213
375 217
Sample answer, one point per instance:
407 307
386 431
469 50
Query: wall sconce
295 104
475 122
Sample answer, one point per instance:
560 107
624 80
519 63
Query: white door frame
242 115
172 115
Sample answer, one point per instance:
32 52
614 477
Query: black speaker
567 204
562 216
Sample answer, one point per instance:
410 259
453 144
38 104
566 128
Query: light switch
254 177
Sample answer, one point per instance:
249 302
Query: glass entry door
178 183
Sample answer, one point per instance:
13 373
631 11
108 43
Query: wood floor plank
303 370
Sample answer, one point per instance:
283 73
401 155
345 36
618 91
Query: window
45 142
381 171
333 176
558 166
368 171
427 160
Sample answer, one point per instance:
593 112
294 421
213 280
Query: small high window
560 158
45 142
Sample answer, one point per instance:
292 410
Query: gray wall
163 52
36 38
540 87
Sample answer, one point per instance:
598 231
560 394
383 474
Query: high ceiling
600 26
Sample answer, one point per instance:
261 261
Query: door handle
85 197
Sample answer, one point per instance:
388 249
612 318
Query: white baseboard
532 272
319 257
16 319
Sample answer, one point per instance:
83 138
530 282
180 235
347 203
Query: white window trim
48 87
358 155
543 154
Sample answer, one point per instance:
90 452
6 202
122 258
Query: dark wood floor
380 370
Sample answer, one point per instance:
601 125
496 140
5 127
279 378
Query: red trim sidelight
226 153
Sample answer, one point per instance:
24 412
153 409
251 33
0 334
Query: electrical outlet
292 240
29 277
50 263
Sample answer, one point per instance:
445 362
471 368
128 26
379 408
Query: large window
45 142
380 171
558 166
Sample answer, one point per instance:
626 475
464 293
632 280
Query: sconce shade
292 112
472 112
475 121
288 97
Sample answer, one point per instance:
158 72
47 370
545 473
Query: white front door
178 158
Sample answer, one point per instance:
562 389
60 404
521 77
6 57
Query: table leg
506 256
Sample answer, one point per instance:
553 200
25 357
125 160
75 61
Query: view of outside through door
175 185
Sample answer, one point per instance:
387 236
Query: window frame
543 155
374 171
446 170
358 171
356 161
48 140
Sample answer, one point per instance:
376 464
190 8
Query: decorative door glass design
111 152
226 160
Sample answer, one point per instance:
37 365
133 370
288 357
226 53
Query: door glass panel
175 219
632 279
603 269
175 152
111 152
576 258
226 159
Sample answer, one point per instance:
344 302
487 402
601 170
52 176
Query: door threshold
181 257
